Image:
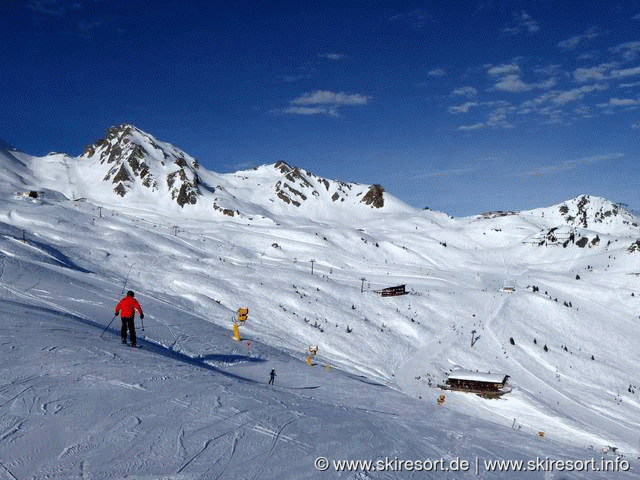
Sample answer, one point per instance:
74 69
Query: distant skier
127 307
272 376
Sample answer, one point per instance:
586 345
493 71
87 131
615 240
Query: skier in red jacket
127 307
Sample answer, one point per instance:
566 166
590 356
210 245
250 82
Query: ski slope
192 403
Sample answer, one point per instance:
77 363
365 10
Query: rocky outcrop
374 197
129 155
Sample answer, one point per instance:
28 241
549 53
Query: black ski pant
127 323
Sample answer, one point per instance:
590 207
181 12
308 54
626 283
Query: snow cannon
243 315
313 351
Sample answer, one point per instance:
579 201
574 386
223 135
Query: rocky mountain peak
297 185
586 211
134 158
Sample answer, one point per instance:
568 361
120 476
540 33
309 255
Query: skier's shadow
230 359
148 345
201 361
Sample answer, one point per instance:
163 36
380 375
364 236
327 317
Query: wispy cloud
595 73
625 72
70 12
325 97
568 165
564 97
522 22
416 19
467 91
573 42
496 118
294 78
52 8
437 72
474 126
629 50
464 108
507 78
333 56
449 172
301 110
552 106
513 83
503 69
604 71
620 103
323 102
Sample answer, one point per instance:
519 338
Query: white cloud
629 85
475 126
620 102
417 18
603 72
297 110
437 72
513 83
573 42
522 21
446 173
52 8
589 74
510 80
464 108
333 56
503 69
628 50
559 97
325 97
498 118
626 72
562 98
465 92
636 125
293 78
568 165
323 102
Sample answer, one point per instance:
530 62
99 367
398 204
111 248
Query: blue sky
460 106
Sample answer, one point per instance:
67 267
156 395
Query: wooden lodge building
484 384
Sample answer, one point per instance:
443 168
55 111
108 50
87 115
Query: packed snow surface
193 403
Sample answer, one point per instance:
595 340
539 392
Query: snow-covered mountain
306 255
131 167
134 160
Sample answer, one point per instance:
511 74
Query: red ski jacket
127 305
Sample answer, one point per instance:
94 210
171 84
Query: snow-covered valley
306 255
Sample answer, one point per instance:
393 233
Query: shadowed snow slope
306 256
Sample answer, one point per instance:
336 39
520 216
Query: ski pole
105 328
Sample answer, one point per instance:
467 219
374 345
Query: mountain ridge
131 166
